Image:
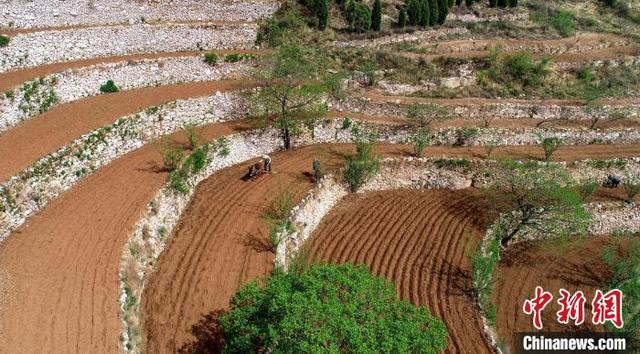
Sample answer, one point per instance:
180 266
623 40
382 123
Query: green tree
425 13
551 145
540 199
292 92
443 11
458 3
350 10
434 14
402 18
361 166
423 115
361 18
323 14
470 2
328 308
564 22
414 11
4 40
493 3
502 3
513 3
376 16
420 141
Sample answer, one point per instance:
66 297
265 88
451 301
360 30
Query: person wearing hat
266 162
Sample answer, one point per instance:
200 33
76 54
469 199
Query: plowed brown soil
63 263
574 266
58 127
15 78
419 240
221 243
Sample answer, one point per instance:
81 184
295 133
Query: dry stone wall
41 48
34 97
28 192
50 13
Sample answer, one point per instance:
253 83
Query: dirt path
15 78
574 266
418 240
58 127
63 263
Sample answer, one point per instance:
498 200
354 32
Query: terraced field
420 242
80 171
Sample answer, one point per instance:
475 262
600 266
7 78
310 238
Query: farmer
266 162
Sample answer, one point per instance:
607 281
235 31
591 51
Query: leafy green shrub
625 264
276 216
518 68
211 58
171 155
193 136
550 145
232 58
452 163
236 57
587 188
328 308
109 87
423 115
197 160
178 181
361 21
564 22
368 68
318 172
402 18
286 22
464 135
363 165
483 265
4 40
420 141
631 187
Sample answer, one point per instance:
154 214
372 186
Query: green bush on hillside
4 40
328 308
109 87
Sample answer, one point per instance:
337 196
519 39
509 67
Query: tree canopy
328 308
541 198
292 90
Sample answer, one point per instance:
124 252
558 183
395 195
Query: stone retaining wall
40 48
29 191
32 98
49 13
490 110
